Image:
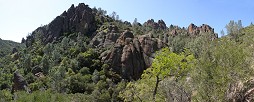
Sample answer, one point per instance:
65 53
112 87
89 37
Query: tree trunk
156 87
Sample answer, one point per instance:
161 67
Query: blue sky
20 17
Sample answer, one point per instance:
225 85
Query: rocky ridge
156 25
127 54
75 19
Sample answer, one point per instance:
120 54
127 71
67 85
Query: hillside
7 47
86 55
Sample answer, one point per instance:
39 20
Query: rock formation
130 56
194 30
75 19
19 82
105 38
160 25
126 57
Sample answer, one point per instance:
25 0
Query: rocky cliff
75 19
127 54
131 55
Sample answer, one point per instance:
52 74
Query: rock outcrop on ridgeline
156 25
75 19
194 30
127 54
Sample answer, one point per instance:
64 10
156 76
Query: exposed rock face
241 91
126 57
194 30
76 19
125 38
174 32
131 56
149 45
19 82
106 39
160 25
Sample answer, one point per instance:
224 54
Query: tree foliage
166 65
193 67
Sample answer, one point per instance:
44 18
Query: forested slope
86 55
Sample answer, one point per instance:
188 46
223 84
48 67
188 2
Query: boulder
19 82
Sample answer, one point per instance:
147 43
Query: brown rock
122 38
132 62
149 44
160 25
131 56
194 30
174 32
126 58
105 39
19 82
76 19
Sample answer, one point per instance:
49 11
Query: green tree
233 29
218 69
165 65
48 49
80 83
45 64
113 15
27 63
65 43
135 22
101 11
222 33
169 64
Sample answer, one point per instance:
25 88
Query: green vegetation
7 47
197 68
166 66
